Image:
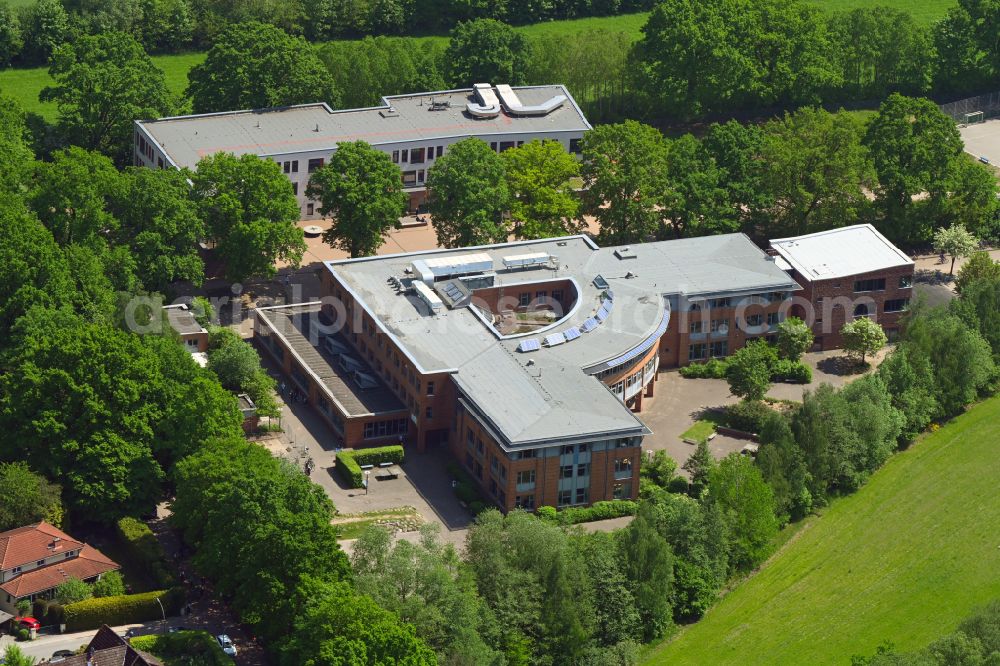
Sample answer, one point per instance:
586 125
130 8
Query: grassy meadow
904 559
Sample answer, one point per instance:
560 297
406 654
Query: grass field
904 559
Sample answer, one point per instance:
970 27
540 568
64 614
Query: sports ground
982 140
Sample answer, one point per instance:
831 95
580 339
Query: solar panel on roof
588 325
571 333
645 345
554 339
601 315
531 344
610 294
607 304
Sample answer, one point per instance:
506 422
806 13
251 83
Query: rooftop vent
488 106
437 268
389 112
427 295
365 381
533 260
625 253
514 107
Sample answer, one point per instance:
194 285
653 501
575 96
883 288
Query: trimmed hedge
144 551
194 647
349 462
597 511
712 369
49 613
126 609
784 370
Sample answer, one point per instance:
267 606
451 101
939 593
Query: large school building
414 130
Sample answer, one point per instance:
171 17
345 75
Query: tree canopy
862 337
253 66
543 203
469 196
250 212
104 83
361 189
485 51
795 338
749 370
956 241
26 497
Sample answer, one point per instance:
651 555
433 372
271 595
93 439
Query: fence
989 104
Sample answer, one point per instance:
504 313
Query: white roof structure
838 253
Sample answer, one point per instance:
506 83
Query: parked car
29 623
226 644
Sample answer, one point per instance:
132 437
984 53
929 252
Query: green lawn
703 427
904 559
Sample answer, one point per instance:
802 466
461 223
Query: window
623 465
583 469
159 162
564 497
694 307
430 388
493 487
870 285
526 479
479 445
567 450
440 152
310 208
860 310
395 156
720 326
429 412
468 460
697 352
754 320
420 176
582 448
315 163
557 295
695 327
506 145
524 455
622 491
16 570
896 305
582 495
541 295
574 146
39 563
417 156
493 146
524 502
719 303
772 319
469 437
523 299
905 281
566 472
720 348
406 155
286 167
409 178
295 189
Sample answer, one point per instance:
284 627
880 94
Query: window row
374 429
702 351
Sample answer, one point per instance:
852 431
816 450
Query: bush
187 647
712 369
125 609
72 590
597 511
796 372
349 462
39 609
54 615
23 634
144 551
747 415
110 585
466 489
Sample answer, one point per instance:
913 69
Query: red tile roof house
35 559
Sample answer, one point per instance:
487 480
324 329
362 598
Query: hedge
144 551
712 369
747 415
126 609
597 511
784 371
349 462
195 647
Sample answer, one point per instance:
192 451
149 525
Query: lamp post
367 475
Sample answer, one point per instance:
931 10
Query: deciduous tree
26 497
250 212
747 503
362 190
749 369
694 203
699 465
253 66
71 591
468 196
105 82
980 266
625 180
486 51
540 175
648 566
795 338
955 241
862 337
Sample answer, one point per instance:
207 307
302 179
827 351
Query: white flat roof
838 253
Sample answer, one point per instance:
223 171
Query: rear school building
530 361
414 130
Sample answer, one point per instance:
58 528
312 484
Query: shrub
187 647
110 585
349 462
54 615
597 511
72 590
747 415
125 609
23 634
39 609
791 371
466 489
712 369
144 551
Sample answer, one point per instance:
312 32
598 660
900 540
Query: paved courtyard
983 140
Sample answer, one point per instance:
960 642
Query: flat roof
346 392
316 127
839 253
533 398
182 320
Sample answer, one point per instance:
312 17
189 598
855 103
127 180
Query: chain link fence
989 104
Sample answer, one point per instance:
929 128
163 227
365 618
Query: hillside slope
904 559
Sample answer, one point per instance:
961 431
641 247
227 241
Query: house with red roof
35 559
